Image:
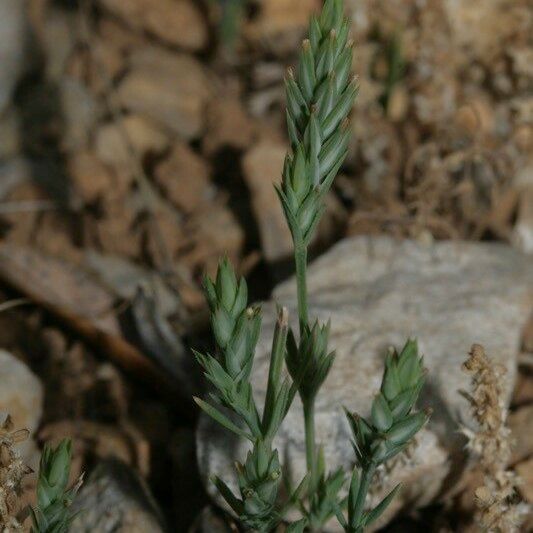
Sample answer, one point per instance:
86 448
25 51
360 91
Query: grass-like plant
53 512
231 15
320 96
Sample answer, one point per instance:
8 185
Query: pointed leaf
222 419
226 493
373 515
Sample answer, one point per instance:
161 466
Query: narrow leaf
222 419
373 515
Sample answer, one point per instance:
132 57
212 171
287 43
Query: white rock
21 397
378 292
116 500
13 37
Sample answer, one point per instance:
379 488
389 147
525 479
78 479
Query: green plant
387 432
319 99
52 513
231 15
395 70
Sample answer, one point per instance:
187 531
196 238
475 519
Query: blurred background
139 140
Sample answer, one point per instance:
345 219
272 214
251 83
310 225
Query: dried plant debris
499 508
449 145
12 472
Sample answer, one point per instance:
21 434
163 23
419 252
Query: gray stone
21 397
13 38
378 292
115 500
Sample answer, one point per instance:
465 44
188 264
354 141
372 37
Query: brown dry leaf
525 471
212 233
116 232
262 166
58 284
67 292
22 224
520 426
228 125
69 375
54 235
178 22
280 23
184 179
164 237
91 178
117 143
93 440
171 89
523 391
119 36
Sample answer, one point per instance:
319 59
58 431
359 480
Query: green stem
309 418
364 487
300 258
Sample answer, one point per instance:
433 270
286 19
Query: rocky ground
137 146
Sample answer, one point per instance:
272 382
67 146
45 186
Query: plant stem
300 259
366 479
309 418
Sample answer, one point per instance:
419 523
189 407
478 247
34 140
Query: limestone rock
21 397
171 89
378 292
115 499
